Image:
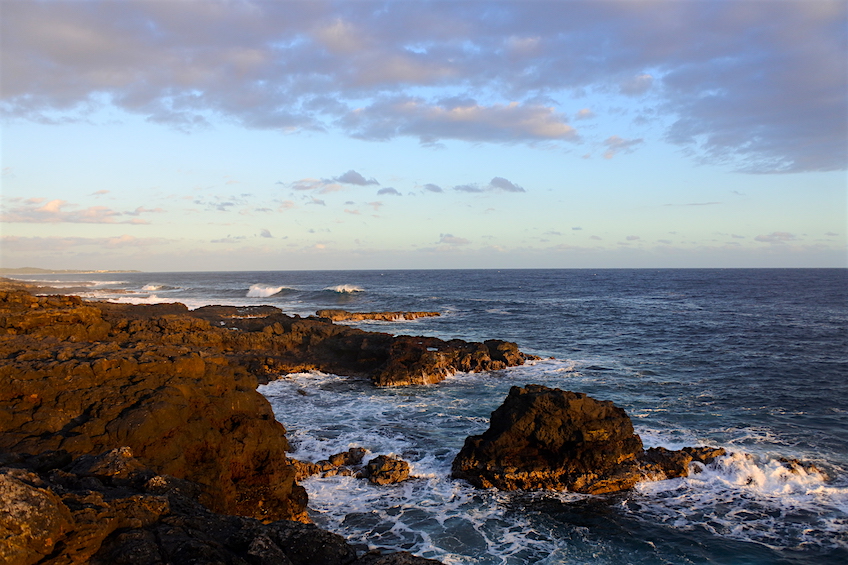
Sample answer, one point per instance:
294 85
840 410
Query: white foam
152 287
263 290
345 289
753 499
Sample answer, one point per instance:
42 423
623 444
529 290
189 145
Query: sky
182 135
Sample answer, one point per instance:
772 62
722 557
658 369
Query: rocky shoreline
175 391
135 434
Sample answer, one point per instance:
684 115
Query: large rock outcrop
110 510
72 381
544 438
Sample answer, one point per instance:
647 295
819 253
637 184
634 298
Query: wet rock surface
170 396
543 438
345 316
110 510
381 470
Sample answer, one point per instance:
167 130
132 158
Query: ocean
752 360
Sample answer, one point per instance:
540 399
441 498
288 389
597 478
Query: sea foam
263 290
345 289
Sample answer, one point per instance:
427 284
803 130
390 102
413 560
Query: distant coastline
37 271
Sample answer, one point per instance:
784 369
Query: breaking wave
345 289
263 290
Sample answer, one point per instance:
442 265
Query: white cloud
760 89
463 120
352 177
60 211
616 144
449 239
497 184
778 237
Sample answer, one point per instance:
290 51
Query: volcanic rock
386 470
544 438
71 380
56 516
345 316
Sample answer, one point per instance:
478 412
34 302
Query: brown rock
386 470
57 517
182 410
344 315
543 438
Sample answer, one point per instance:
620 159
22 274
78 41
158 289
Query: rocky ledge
177 389
345 316
546 438
111 510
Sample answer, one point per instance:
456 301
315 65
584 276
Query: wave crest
263 290
345 289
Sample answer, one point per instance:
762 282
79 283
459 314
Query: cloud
322 186
229 239
352 177
497 184
633 238
389 190
756 86
143 210
386 119
584 114
17 244
265 233
60 211
637 85
617 145
432 188
100 193
448 239
778 237
576 228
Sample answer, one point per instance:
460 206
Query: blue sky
237 135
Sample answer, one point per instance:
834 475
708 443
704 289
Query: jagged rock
32 518
544 438
400 558
72 381
386 470
662 463
57 517
345 316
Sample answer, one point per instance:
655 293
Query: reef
544 438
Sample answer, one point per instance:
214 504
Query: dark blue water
755 361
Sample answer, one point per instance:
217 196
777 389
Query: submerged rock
544 438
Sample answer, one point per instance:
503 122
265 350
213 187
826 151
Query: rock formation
543 438
381 470
170 396
386 470
345 316
110 510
